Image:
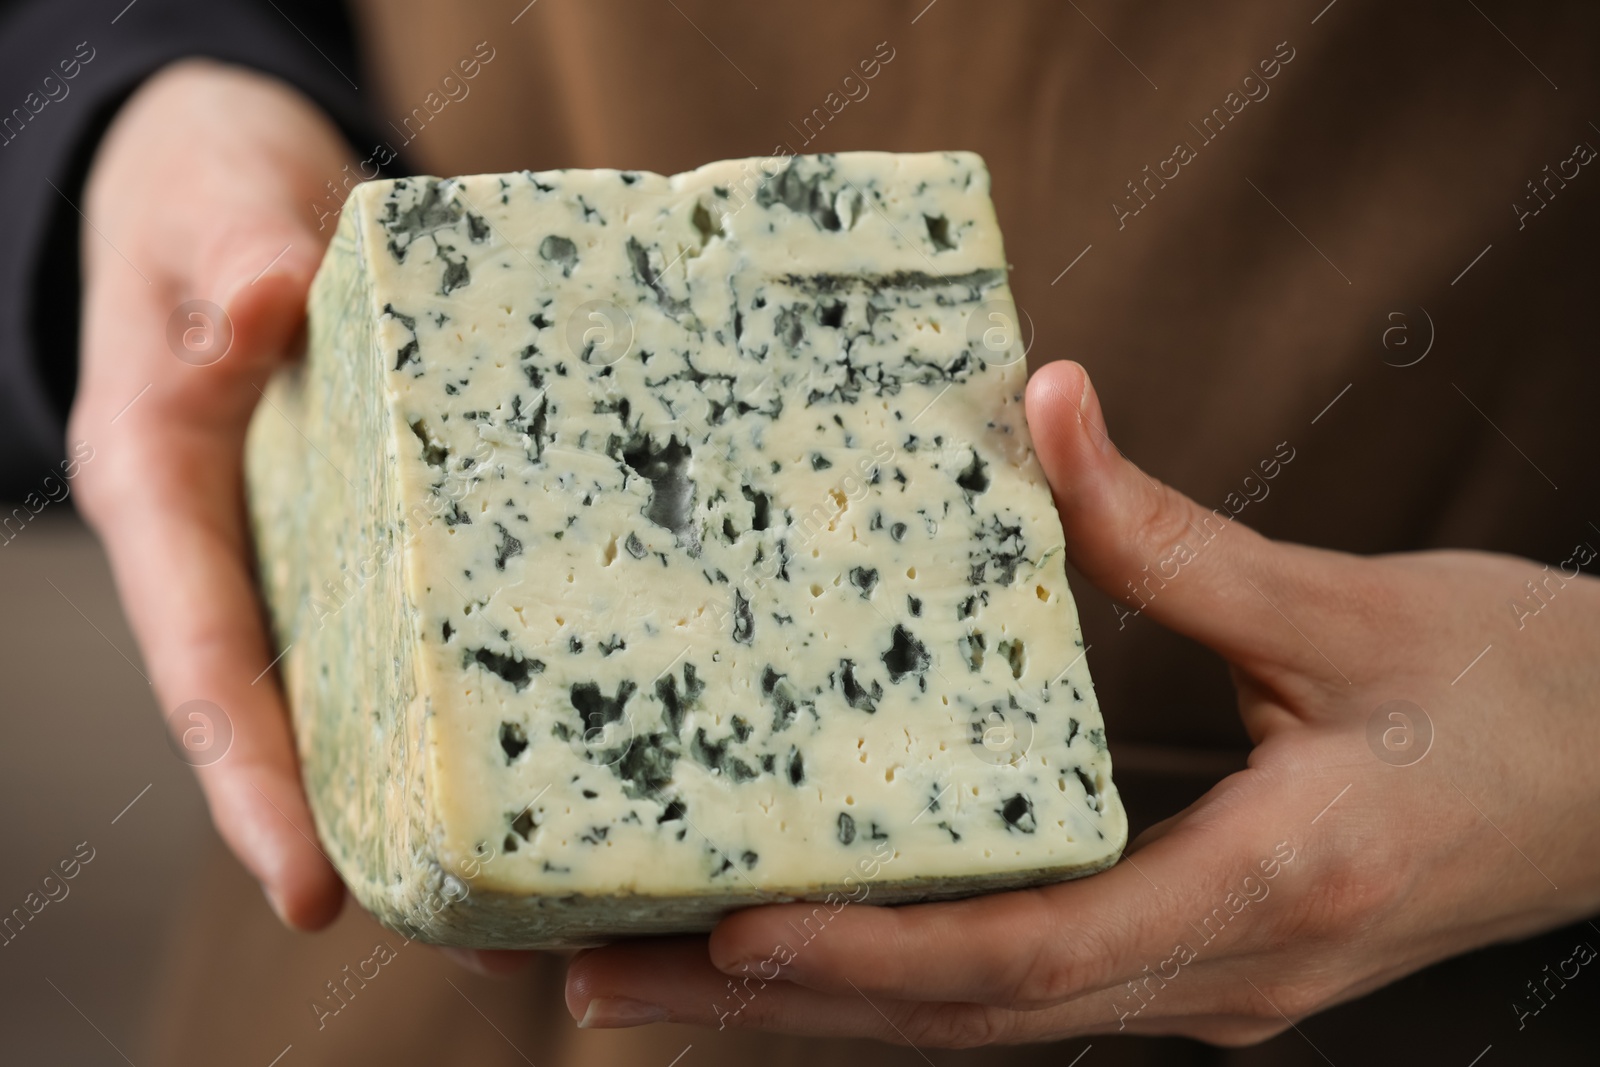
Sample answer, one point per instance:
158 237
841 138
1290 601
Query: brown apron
1348 228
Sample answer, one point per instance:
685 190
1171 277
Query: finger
1193 569
642 982
491 963
671 980
1038 948
258 280
178 555
165 493
1027 949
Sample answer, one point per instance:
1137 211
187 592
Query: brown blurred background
82 741
1396 142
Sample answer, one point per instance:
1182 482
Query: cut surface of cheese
646 547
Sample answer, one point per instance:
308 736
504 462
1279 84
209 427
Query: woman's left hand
1335 863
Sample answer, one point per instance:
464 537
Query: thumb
264 289
261 279
242 315
1196 570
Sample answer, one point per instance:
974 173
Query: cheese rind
648 547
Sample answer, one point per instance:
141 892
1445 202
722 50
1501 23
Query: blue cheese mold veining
646 547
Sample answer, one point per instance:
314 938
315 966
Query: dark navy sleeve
66 66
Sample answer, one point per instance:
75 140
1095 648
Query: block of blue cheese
648 547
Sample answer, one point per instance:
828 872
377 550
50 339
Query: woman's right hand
209 186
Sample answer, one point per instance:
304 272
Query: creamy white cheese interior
650 546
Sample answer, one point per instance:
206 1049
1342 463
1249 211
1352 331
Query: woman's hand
1357 847
204 190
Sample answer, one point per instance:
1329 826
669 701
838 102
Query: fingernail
762 968
465 958
272 902
611 1013
491 963
1093 417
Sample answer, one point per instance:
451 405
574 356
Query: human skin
202 180
210 184
1409 865
202 189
